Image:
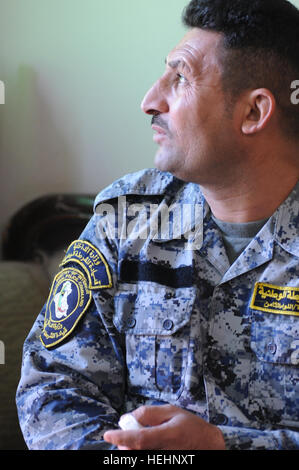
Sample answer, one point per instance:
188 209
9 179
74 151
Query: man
194 330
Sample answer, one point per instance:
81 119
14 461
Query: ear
259 107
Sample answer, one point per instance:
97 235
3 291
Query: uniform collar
286 231
189 203
148 182
281 228
175 194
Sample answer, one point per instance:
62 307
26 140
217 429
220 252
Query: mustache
157 120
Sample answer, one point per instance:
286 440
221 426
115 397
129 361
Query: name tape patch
68 300
275 299
91 261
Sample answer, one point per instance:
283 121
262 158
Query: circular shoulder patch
91 260
69 299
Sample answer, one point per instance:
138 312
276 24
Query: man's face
193 130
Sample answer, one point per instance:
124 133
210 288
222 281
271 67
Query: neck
253 197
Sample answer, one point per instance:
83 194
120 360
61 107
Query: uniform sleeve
237 438
69 395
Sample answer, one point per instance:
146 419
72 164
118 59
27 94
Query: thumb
154 415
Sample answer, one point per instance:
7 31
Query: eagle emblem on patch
84 270
69 299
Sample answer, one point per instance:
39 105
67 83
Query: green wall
75 72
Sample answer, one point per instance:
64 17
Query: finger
154 415
119 437
143 439
112 436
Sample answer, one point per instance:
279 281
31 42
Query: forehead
197 47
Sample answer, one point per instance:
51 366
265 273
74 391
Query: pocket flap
276 339
151 309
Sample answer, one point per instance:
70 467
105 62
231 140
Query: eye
181 79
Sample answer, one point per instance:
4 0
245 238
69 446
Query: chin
166 161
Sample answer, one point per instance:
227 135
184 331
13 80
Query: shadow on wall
35 157
35 160
33 247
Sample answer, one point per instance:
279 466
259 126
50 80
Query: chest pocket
156 323
274 382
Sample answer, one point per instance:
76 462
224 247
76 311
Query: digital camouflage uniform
158 323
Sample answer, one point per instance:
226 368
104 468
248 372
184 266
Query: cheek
185 119
194 116
190 127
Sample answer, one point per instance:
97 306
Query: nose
155 101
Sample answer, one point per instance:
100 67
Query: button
272 348
220 420
214 354
169 295
168 324
131 322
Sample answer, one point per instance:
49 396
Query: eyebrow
174 64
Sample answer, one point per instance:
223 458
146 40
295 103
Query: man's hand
169 428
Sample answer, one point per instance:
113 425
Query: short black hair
260 48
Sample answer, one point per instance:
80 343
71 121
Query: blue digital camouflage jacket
145 311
